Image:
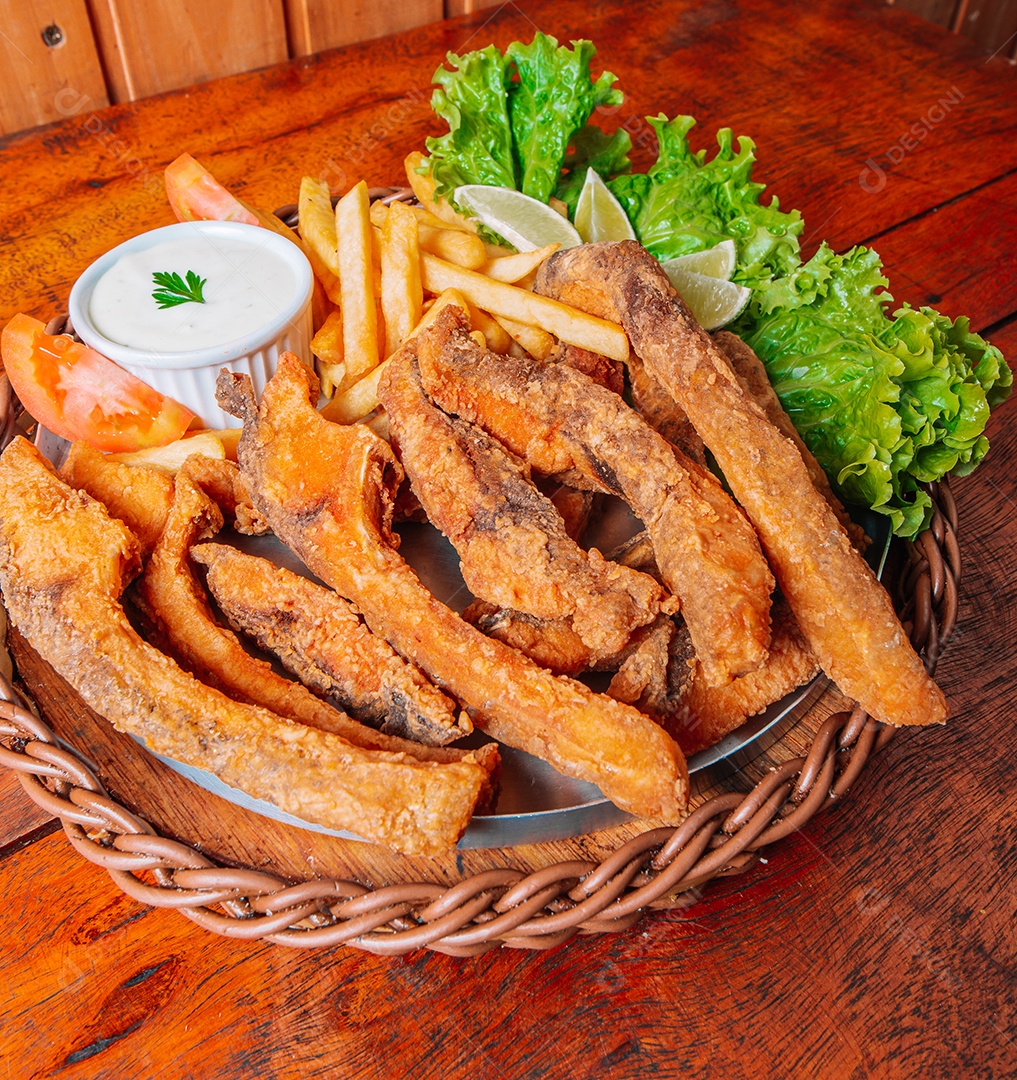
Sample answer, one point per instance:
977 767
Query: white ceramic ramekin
190 376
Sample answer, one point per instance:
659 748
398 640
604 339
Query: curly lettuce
512 116
887 405
686 202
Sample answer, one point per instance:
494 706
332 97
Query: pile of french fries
388 269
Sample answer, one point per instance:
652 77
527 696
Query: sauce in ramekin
246 284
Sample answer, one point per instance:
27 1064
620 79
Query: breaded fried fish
327 491
563 422
63 564
513 546
843 611
320 638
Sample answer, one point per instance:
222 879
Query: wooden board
164 44
316 25
879 942
43 82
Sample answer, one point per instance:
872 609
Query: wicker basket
661 868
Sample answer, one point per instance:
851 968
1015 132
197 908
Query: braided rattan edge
663 868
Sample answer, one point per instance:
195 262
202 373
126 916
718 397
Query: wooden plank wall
59 57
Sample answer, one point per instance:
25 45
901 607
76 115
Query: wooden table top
879 940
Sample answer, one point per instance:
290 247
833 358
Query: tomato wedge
78 393
195 195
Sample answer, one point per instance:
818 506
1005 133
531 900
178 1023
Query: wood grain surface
876 942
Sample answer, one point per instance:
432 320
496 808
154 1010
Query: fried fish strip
751 373
843 611
563 422
320 638
662 412
703 715
513 547
141 497
175 607
63 563
138 496
327 491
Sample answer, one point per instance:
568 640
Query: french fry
447 241
317 221
566 323
425 217
453 245
169 458
361 399
356 278
538 343
497 338
513 268
401 292
229 437
327 346
424 188
479 338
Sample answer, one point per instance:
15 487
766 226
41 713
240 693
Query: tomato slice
78 393
196 195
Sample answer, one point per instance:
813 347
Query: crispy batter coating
320 638
513 547
137 496
703 714
662 412
751 373
562 421
63 562
843 611
220 479
327 491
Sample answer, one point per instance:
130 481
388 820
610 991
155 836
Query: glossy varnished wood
879 941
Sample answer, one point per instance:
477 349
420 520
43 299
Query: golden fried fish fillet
662 412
63 563
139 497
751 373
513 547
220 479
563 422
327 491
320 638
176 611
843 611
703 714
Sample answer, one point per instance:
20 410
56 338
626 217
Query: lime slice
599 215
713 301
526 223
715 262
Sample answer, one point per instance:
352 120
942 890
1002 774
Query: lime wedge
713 301
599 215
526 223
715 262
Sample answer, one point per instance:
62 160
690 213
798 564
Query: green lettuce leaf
686 203
886 405
472 99
552 99
511 117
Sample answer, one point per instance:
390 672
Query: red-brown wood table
879 941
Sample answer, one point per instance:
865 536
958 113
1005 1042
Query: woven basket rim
662 868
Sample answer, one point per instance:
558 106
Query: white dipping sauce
247 285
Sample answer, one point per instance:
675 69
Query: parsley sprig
173 291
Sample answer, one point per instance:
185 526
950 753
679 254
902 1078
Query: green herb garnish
173 291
